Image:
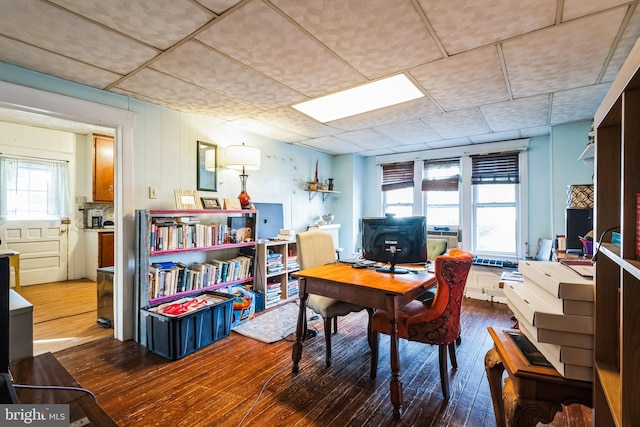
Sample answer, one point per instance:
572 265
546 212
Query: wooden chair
437 323
316 248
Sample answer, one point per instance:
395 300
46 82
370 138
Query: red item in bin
177 309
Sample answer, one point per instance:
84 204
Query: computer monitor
395 241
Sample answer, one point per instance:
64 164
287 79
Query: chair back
440 324
315 248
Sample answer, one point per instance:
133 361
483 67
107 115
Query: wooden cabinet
103 169
275 261
617 312
105 249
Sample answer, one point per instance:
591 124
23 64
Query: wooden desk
368 288
531 393
45 369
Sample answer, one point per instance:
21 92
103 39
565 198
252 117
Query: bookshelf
617 313
184 252
275 261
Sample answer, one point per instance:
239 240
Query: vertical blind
33 189
397 175
495 168
441 175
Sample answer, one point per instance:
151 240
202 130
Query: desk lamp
242 157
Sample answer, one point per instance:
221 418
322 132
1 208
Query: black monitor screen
395 240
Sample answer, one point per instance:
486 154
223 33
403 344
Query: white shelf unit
275 261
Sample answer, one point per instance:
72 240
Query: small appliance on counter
94 218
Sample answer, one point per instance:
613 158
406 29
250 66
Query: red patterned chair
437 323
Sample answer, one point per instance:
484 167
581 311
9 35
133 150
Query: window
397 188
33 189
442 198
495 179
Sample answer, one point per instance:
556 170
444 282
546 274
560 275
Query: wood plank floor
64 315
240 381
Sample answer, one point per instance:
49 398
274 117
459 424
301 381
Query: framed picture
210 203
232 204
207 164
187 199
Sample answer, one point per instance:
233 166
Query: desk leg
296 355
396 384
494 369
522 412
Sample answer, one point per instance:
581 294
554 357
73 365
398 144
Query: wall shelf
325 193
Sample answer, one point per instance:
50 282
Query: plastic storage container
177 337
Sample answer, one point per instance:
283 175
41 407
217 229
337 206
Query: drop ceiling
491 70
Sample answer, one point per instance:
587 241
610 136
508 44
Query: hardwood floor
64 315
220 384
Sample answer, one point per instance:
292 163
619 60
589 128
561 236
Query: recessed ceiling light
368 97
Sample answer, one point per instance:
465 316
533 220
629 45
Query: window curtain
441 175
496 168
397 175
21 179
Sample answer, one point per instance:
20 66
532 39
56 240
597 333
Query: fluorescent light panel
371 96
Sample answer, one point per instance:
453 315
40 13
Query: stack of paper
554 308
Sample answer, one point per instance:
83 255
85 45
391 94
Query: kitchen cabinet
103 169
105 250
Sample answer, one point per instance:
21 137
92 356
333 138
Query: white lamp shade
239 156
210 160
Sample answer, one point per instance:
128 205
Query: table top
396 284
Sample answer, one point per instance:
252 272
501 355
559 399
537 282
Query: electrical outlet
153 193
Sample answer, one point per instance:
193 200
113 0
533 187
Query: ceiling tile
205 67
256 35
577 104
577 8
407 110
156 85
408 132
24 55
628 39
495 136
160 24
367 138
71 36
453 142
463 25
525 112
218 6
457 124
265 129
355 31
561 57
297 122
464 80
330 144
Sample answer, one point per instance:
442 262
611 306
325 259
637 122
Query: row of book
166 236
274 263
170 278
292 288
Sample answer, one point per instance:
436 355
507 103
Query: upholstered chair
316 248
437 323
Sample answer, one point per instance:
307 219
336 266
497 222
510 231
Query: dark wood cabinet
105 249
102 169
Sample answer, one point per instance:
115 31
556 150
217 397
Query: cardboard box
566 306
558 280
176 337
541 314
554 355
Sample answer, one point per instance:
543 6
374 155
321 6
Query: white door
42 246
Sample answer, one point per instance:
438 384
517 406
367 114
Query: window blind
397 175
441 175
495 168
